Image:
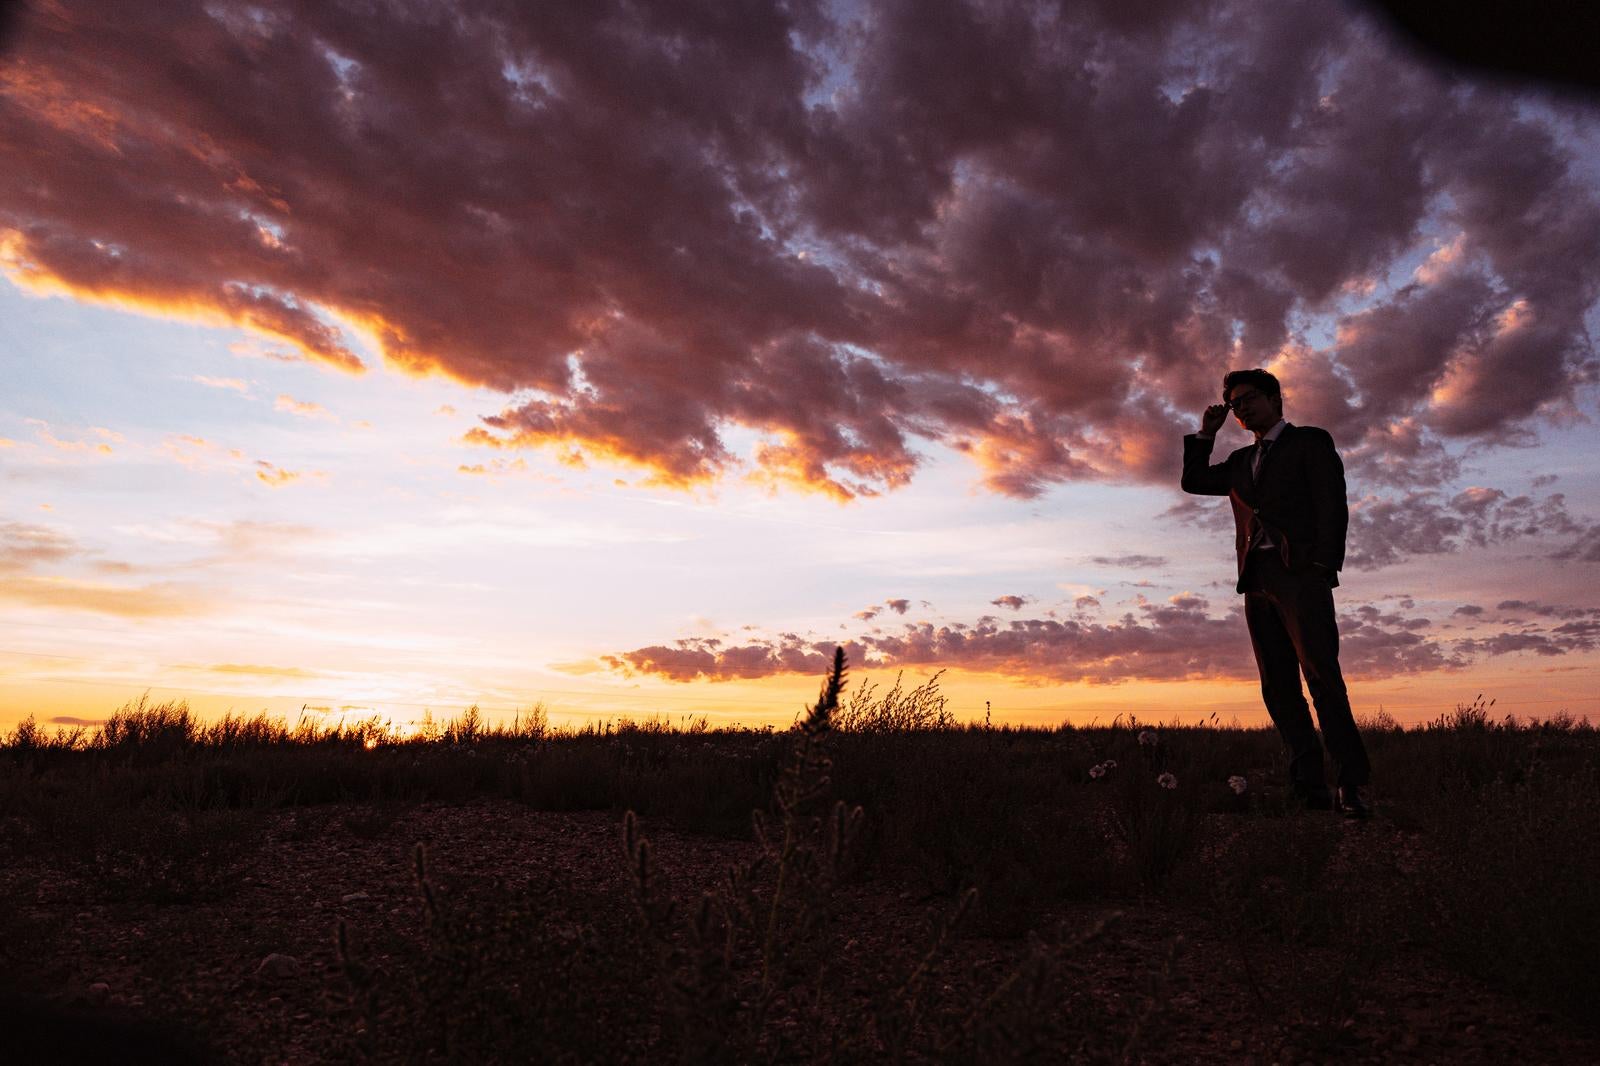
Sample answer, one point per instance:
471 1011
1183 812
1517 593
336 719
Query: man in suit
1290 516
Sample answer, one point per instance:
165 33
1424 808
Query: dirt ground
255 974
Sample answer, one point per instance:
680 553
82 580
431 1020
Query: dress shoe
1352 804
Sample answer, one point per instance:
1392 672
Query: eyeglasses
1242 398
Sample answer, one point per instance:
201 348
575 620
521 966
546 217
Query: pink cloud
1179 639
24 545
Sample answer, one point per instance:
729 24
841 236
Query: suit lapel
1277 446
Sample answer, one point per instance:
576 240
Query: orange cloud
148 601
101 445
497 468
275 476
257 670
198 452
96 274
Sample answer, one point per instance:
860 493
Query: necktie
1261 457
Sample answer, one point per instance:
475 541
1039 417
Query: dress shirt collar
1272 434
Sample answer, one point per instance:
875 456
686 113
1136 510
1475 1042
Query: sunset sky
627 356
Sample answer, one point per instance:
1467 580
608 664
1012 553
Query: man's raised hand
1213 418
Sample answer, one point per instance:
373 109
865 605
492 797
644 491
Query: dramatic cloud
1011 603
1034 233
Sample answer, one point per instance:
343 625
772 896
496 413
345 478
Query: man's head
1254 397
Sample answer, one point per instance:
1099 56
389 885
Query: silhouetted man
1290 516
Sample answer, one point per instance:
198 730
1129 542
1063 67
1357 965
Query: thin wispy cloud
33 561
303 408
229 384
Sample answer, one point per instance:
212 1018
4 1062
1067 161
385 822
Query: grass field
1023 846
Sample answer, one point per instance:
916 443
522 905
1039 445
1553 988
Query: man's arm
1329 505
1199 475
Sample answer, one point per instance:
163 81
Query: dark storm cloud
1036 233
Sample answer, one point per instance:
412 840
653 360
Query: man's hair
1264 383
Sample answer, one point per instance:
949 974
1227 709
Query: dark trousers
1293 631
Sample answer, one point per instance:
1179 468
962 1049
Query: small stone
1236 1045
1472 1030
278 967
353 897
99 992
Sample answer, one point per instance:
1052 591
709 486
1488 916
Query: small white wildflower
1147 738
1110 764
1097 771
1238 784
1167 780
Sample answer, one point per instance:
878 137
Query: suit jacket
1299 498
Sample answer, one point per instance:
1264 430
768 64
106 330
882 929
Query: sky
379 359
